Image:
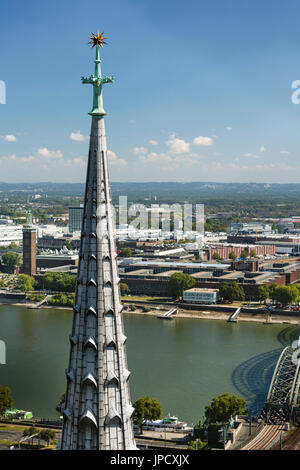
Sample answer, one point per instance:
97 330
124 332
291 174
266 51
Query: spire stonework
97 410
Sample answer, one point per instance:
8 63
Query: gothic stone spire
97 410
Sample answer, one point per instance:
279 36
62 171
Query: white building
200 296
51 230
10 233
249 227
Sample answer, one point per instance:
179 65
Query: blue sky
202 89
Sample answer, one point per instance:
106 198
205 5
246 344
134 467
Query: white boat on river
170 423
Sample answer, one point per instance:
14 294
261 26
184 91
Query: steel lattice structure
283 400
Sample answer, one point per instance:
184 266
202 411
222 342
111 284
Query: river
182 363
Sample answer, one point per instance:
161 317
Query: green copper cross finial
96 79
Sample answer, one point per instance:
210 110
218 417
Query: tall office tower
75 218
97 410
29 246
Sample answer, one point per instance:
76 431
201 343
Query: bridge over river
283 399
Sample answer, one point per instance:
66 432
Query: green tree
197 444
124 288
68 245
178 283
13 246
126 252
253 253
6 401
146 408
224 406
216 256
231 291
11 259
61 282
26 283
244 253
47 435
272 291
286 294
30 431
263 293
232 255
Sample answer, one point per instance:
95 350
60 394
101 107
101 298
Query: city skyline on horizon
218 109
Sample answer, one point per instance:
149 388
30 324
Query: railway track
265 439
291 442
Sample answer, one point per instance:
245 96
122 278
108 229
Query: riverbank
256 316
212 315
195 359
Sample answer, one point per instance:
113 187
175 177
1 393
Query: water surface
183 363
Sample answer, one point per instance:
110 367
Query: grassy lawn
9 427
8 443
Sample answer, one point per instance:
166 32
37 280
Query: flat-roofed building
10 233
200 296
45 261
75 218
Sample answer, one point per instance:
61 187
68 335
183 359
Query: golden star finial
97 39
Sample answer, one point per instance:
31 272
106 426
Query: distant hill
168 191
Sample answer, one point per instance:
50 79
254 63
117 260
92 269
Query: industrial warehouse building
152 277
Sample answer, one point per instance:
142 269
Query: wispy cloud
78 137
177 146
10 138
115 160
139 151
50 154
203 141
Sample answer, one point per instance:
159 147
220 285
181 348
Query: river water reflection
183 363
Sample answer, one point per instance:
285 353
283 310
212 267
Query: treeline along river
183 363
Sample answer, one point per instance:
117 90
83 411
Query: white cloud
250 155
228 128
178 146
155 157
139 150
28 159
10 138
277 166
153 142
284 152
50 154
262 148
233 166
203 141
78 136
115 160
79 161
